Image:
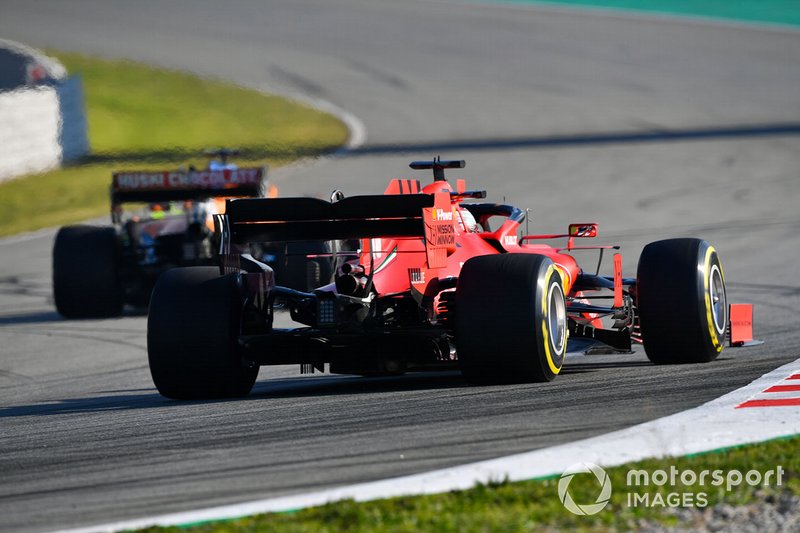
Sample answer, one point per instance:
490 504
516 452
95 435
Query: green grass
145 117
531 505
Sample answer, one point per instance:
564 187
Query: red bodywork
396 271
402 264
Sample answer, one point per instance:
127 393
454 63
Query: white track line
716 424
49 232
28 236
358 131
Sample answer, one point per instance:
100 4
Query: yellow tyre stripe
545 334
709 316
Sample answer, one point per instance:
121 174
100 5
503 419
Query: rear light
326 312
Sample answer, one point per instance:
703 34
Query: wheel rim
719 305
556 317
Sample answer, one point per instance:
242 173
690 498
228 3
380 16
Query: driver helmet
157 210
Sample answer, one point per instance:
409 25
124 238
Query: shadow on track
708 133
327 385
301 387
541 141
178 155
88 405
44 317
40 317
582 368
263 390
331 385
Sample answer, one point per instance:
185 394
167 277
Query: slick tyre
192 329
86 273
511 321
681 301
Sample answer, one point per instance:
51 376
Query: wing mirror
583 230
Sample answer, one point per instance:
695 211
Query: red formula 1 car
437 279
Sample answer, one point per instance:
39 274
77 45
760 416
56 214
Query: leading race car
439 280
97 269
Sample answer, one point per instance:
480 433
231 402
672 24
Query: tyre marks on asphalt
14 376
21 286
712 426
95 331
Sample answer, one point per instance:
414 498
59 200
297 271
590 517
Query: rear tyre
86 273
683 311
511 320
192 331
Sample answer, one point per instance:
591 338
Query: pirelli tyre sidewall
551 318
681 301
511 323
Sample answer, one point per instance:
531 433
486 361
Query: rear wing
192 185
427 216
312 219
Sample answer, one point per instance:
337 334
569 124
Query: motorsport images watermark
586 508
642 486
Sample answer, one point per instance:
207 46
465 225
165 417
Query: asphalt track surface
653 128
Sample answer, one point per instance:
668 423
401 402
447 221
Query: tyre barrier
42 113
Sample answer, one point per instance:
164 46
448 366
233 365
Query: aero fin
741 317
617 280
